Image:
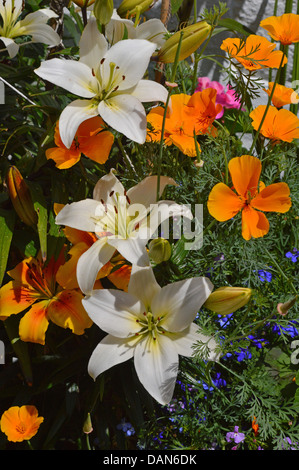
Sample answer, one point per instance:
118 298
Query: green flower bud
20 197
193 37
103 10
129 8
225 300
159 250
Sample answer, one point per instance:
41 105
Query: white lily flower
151 324
34 25
109 80
152 30
122 220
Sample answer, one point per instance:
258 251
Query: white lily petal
11 46
152 30
93 45
91 262
125 114
114 311
109 352
132 56
162 211
187 339
156 364
145 192
79 215
72 75
148 90
107 188
116 28
42 33
132 249
143 284
179 302
38 17
72 116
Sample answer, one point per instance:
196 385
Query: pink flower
225 95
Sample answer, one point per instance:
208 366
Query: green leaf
235 26
20 347
40 207
7 223
175 5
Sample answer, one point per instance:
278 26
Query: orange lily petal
20 423
282 28
66 274
34 324
120 278
14 298
223 203
273 198
245 173
254 223
66 310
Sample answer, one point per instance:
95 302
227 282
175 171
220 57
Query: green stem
84 15
268 103
173 74
281 271
242 102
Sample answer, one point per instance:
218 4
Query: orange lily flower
250 194
20 423
279 124
91 139
35 285
255 53
116 270
284 28
282 95
188 114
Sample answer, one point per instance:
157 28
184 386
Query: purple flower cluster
225 95
293 255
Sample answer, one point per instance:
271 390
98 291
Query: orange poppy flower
250 194
255 53
20 423
279 124
284 28
282 95
35 285
91 140
255 426
188 114
116 270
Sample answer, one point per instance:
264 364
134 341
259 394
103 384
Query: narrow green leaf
40 207
7 223
235 26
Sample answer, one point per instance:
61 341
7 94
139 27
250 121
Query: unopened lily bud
129 8
83 3
87 426
193 37
225 300
283 308
103 10
159 250
20 196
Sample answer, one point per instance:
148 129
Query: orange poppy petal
185 143
282 28
34 324
15 297
254 223
223 203
98 146
273 198
20 423
279 124
245 173
66 310
120 278
63 158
